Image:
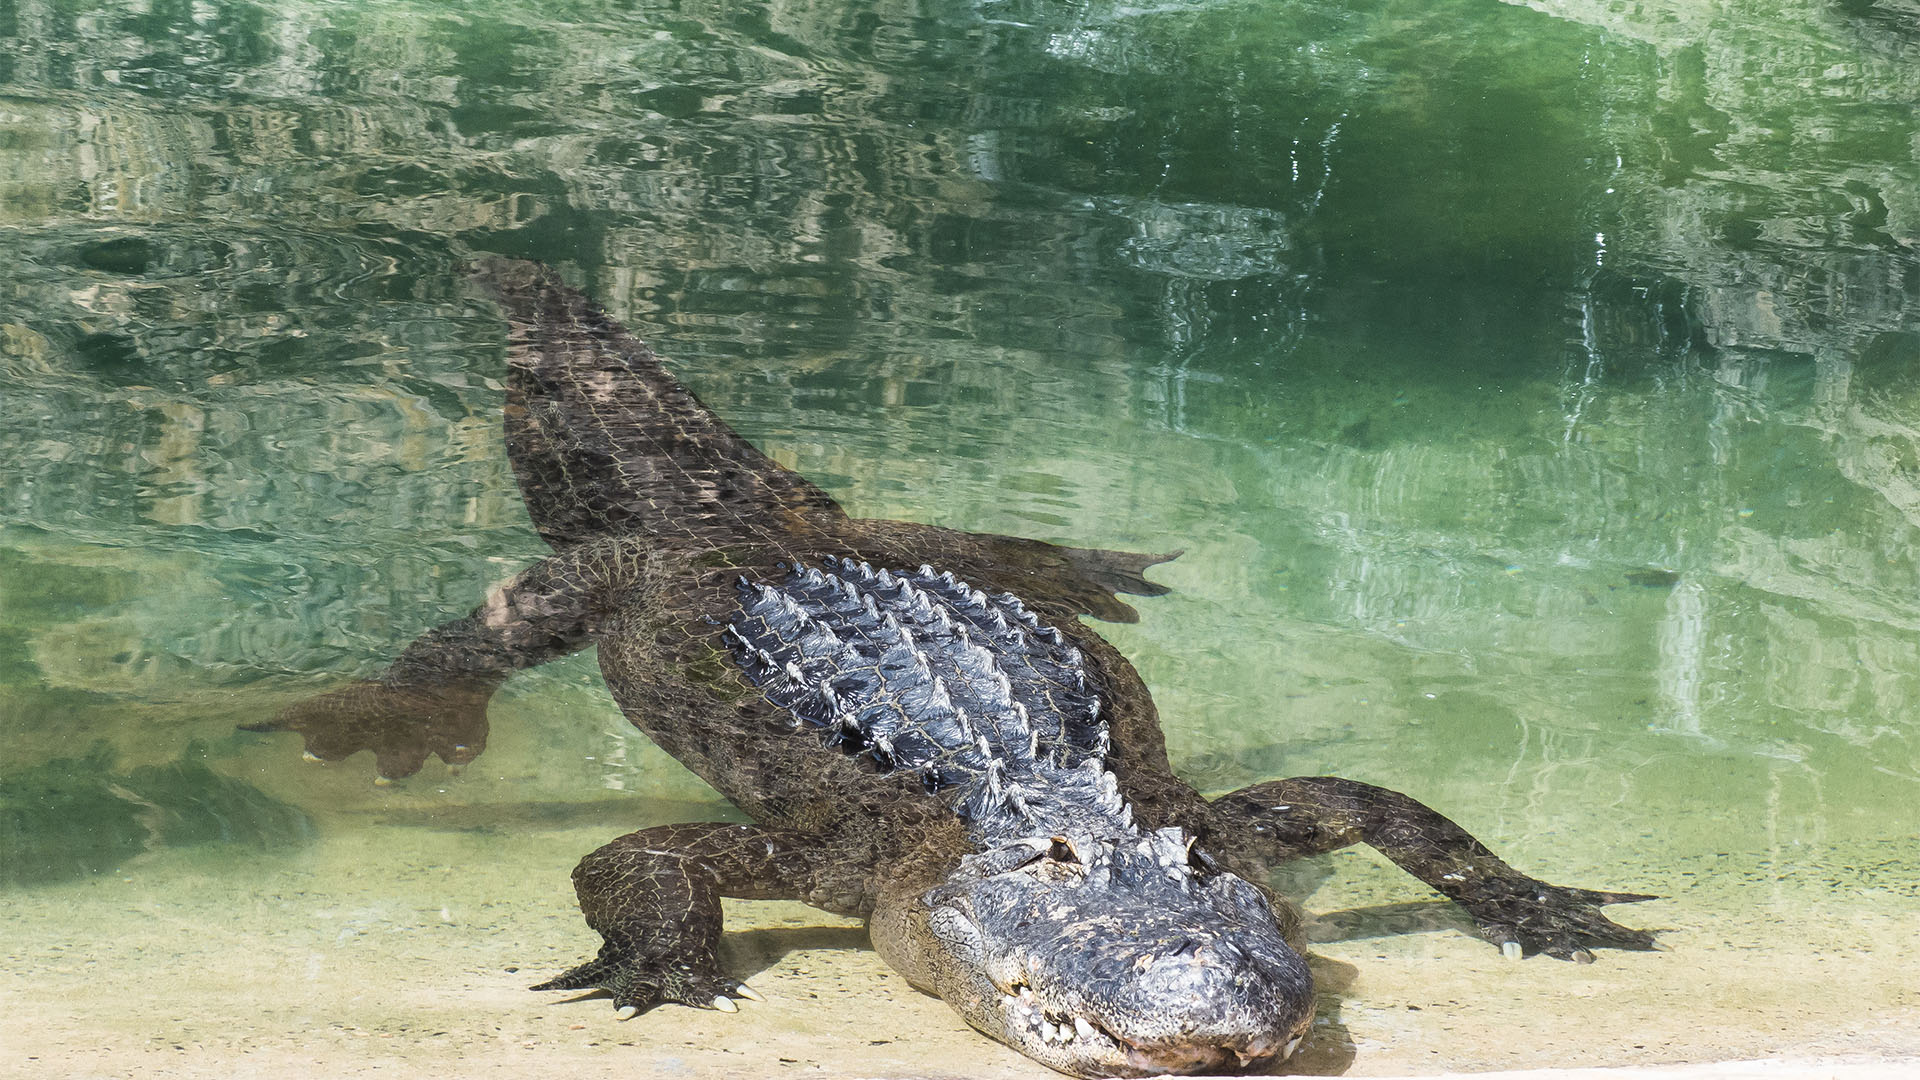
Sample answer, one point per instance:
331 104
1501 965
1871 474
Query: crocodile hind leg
654 895
433 698
1287 819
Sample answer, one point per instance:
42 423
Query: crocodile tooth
1082 1028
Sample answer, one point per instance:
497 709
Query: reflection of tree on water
1287 264
1683 647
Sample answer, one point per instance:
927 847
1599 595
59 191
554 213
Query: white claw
383 781
1511 950
1292 1045
312 758
724 1003
747 992
627 1012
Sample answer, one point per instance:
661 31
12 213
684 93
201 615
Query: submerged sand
404 949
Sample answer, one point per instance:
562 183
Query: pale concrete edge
1901 1068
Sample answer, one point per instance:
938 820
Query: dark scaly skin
655 510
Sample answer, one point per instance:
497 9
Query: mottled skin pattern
656 511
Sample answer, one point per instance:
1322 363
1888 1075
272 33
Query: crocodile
921 727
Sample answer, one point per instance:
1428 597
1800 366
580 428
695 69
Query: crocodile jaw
1135 972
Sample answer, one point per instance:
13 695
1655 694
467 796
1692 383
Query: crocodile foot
401 724
1524 916
637 983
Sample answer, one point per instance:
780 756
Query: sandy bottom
405 949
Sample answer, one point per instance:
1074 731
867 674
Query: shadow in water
750 952
1329 1049
747 953
1387 920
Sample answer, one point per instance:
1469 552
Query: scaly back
929 675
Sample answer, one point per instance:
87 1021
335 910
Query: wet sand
403 950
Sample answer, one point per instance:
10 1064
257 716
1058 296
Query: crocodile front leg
654 895
1288 819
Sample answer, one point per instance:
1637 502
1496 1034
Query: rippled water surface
1533 389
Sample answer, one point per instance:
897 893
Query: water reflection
1430 330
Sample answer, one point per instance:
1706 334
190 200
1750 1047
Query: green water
1534 391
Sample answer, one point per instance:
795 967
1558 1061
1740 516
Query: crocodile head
1119 955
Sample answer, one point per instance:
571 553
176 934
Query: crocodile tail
605 441
1060 580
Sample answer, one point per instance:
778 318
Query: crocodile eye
1199 861
1061 851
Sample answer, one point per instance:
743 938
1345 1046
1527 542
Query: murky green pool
1533 389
